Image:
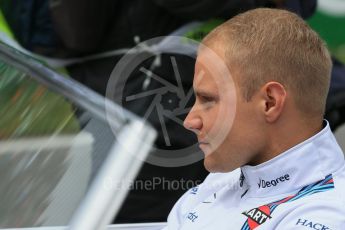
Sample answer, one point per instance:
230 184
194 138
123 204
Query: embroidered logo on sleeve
256 218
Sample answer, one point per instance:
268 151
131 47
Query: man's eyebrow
202 93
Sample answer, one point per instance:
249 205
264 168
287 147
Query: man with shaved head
261 82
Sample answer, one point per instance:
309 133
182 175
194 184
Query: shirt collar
306 163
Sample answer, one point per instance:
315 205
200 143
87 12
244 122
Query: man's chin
211 164
214 165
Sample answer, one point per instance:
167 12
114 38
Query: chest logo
257 216
273 183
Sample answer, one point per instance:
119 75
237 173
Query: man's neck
284 136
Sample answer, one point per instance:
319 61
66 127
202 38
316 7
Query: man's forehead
205 66
211 72
212 84
211 58
203 76
205 84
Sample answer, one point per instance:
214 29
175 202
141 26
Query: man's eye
207 102
205 99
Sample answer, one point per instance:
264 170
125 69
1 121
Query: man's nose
193 122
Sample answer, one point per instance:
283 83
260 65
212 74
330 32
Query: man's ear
274 96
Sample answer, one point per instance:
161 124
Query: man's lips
202 140
203 145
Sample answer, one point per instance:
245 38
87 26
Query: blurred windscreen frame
62 157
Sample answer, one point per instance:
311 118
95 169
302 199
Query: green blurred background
329 22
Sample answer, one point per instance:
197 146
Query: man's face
225 124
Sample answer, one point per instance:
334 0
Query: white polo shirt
302 188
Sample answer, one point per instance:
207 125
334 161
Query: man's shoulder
323 213
324 208
339 180
324 197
